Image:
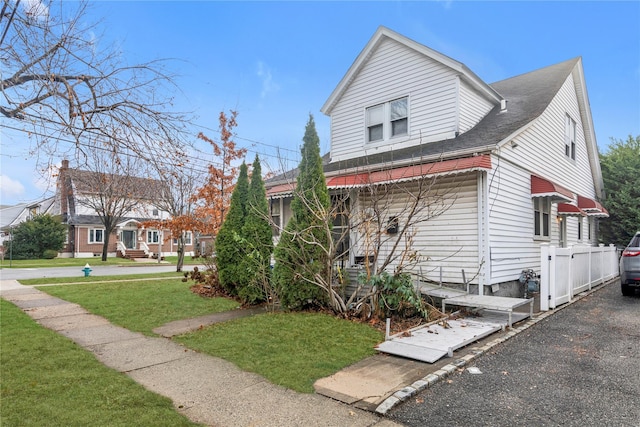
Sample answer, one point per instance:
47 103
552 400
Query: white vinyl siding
541 147
449 239
394 71
473 107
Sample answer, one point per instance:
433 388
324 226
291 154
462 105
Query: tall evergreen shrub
228 250
299 254
258 243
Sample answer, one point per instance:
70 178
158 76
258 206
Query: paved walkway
206 389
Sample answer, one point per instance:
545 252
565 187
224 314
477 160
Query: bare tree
59 85
113 192
178 200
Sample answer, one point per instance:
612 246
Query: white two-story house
511 165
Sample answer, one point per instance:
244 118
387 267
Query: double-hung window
275 216
387 120
188 236
96 235
570 138
541 217
153 236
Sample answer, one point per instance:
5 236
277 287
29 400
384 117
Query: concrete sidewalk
206 389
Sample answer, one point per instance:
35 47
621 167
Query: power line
195 164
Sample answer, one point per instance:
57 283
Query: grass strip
63 262
141 305
80 262
47 380
289 349
93 279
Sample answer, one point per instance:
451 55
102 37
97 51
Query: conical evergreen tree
258 243
228 250
299 254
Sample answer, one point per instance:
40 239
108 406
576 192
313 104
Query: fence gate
565 272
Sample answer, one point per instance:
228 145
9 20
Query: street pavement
579 367
97 270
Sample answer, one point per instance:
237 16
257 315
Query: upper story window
570 138
387 120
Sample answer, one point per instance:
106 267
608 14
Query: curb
431 379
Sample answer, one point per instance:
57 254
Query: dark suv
630 267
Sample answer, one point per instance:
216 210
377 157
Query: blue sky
276 62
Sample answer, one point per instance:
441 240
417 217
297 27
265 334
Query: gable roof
142 188
382 33
13 215
527 96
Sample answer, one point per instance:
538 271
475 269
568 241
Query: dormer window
388 120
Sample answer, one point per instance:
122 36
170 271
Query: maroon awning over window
592 207
569 209
541 187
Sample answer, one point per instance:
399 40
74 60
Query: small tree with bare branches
110 188
178 200
379 218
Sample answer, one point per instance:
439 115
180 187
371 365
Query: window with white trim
570 138
96 235
579 229
541 217
153 236
275 216
387 120
187 237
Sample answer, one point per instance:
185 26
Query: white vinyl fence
565 272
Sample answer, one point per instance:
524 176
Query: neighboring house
12 216
86 232
518 158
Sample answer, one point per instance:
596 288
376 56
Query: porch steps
133 253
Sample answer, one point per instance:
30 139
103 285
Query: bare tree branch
62 84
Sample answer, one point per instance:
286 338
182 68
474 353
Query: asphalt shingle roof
527 96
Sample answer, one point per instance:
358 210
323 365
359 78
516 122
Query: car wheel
627 290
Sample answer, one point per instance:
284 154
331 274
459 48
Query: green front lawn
62 262
141 306
93 279
80 262
289 349
47 380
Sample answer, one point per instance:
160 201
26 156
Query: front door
129 239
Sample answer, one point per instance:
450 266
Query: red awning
592 207
541 187
568 209
281 190
410 172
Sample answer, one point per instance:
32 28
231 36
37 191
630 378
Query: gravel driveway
579 367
